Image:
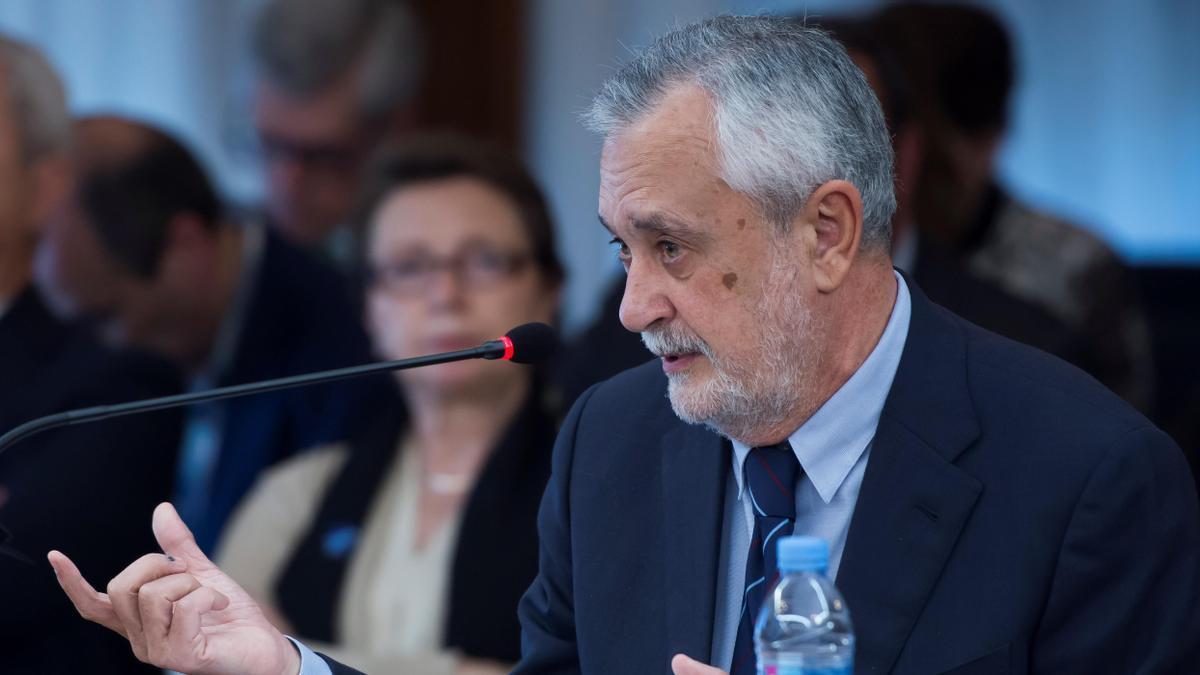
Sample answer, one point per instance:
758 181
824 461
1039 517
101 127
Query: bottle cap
803 554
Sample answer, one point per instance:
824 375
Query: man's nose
644 301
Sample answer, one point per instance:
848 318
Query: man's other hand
683 665
179 611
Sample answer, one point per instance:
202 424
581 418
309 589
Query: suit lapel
914 501
695 464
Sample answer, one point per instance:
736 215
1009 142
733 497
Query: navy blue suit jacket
1015 517
300 319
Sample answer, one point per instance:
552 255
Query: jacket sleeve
1123 598
547 610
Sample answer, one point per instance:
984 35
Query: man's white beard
741 398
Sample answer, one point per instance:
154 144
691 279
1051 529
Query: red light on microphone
508 348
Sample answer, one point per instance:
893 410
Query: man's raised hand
179 611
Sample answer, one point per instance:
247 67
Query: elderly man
988 508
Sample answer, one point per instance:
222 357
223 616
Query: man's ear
834 212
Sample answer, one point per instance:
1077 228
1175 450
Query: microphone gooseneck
528 343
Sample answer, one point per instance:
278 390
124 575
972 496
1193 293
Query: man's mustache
674 339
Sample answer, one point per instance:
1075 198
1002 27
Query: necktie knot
771 473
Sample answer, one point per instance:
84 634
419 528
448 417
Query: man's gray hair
304 46
36 100
791 112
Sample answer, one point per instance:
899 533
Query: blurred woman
407 548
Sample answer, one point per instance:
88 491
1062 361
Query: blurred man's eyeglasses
330 157
474 268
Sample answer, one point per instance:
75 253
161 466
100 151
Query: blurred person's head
882 71
957 68
459 249
746 176
332 76
34 175
141 249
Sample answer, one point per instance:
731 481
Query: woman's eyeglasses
475 268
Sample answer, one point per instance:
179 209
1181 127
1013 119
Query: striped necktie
770 475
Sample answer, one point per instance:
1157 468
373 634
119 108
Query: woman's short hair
437 157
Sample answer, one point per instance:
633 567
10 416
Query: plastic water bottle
804 627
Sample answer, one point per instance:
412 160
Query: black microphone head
532 342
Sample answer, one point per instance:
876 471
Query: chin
450 380
692 401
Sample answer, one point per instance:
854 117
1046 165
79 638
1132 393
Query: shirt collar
830 443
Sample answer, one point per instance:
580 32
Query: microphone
528 343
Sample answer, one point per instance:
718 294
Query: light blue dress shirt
833 447
310 663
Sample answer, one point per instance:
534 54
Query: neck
217 301
455 434
858 316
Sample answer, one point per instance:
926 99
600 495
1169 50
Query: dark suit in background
602 350
953 286
299 319
86 490
1014 517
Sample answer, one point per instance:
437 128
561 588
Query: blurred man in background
333 77
50 484
956 64
938 270
145 252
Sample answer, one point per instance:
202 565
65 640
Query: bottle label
773 669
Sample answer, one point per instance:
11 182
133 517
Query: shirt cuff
310 663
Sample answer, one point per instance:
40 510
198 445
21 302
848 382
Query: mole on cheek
741 226
729 280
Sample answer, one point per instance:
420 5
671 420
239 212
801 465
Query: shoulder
1036 407
303 476
1035 383
283 500
1072 244
291 490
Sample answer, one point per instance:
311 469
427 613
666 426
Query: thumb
175 539
683 665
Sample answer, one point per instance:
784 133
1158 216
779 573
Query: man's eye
622 250
670 250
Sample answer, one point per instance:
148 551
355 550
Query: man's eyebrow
658 224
